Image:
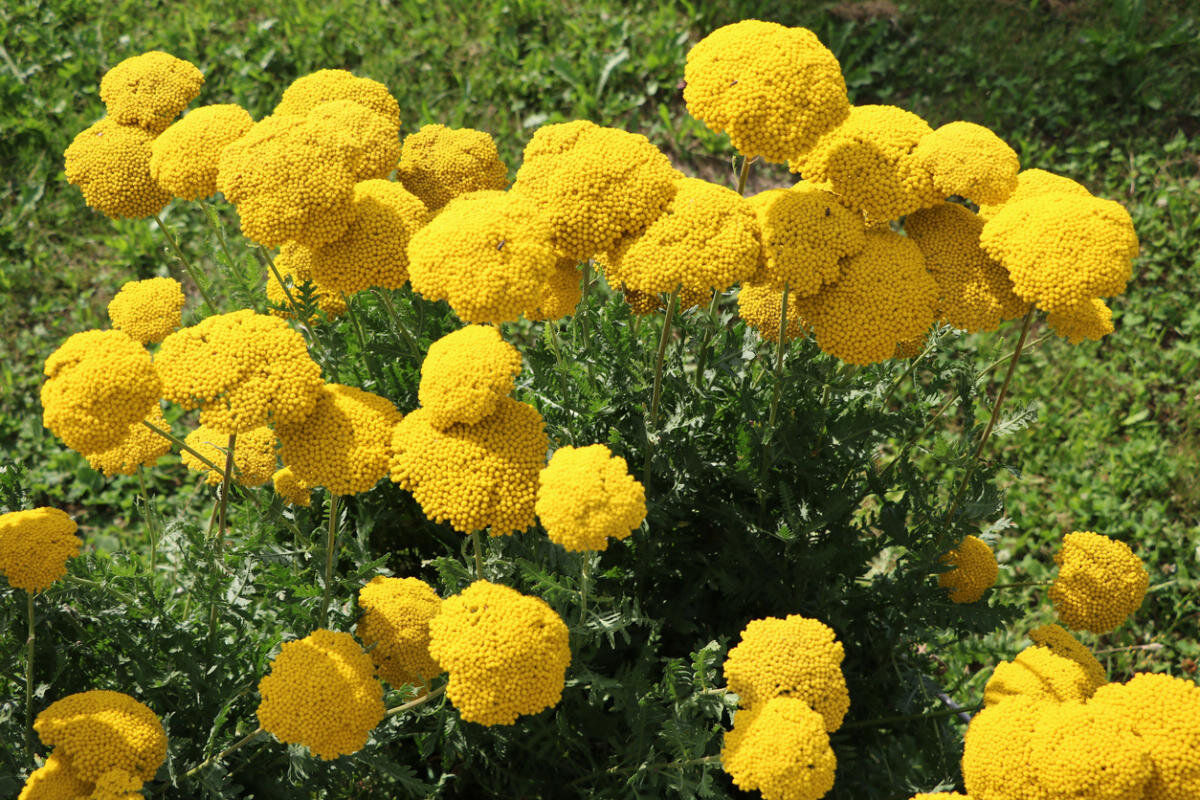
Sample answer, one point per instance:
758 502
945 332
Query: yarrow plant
684 417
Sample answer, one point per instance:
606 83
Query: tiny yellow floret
1089 751
309 91
760 306
1059 640
507 653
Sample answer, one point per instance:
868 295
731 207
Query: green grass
1107 93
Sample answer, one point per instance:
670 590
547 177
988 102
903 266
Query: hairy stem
397 325
713 321
781 348
881 721
214 222
477 543
656 394
219 541
586 558
583 318
330 539
151 524
29 677
226 752
187 265
422 700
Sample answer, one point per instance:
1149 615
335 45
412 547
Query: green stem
713 321
151 524
781 348
880 721
219 542
400 709
330 539
214 222
477 543
29 678
226 752
398 326
124 598
356 324
656 394
583 584
745 173
583 318
187 265
1021 584
182 445
987 432
912 366
297 312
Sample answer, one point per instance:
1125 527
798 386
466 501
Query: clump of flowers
110 163
140 447
1091 319
970 161
344 443
560 294
322 693
292 489
147 310
885 296
35 546
473 476
587 496
974 291
370 142
150 90
438 164
974 570
54 779
806 233
794 657
1060 642
374 249
466 374
185 157
997 760
1086 750
100 731
608 185
781 749
487 253
759 306
241 369
1164 712
1034 183
1039 673
295 266
868 161
506 653
253 455
775 90
98 383
1100 582
395 625
290 179
325 85
706 240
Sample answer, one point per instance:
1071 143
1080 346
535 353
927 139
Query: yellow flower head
374 139
147 310
295 265
1059 641
344 443
1088 751
806 233
911 348
997 760
374 249
775 90
885 296
184 159
140 447
242 369
395 621
150 90
253 455
290 179
466 374
293 490
322 693
974 571
35 546
939 796
110 164
610 185
759 306
1100 582
868 161
1041 674
706 239
975 293
308 92
54 780
1063 249
970 161
507 653
487 253
781 749
560 294
1091 319
438 164
99 731
796 657
473 476
98 383
557 138
117 784
586 495
1163 711
642 303
1034 183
